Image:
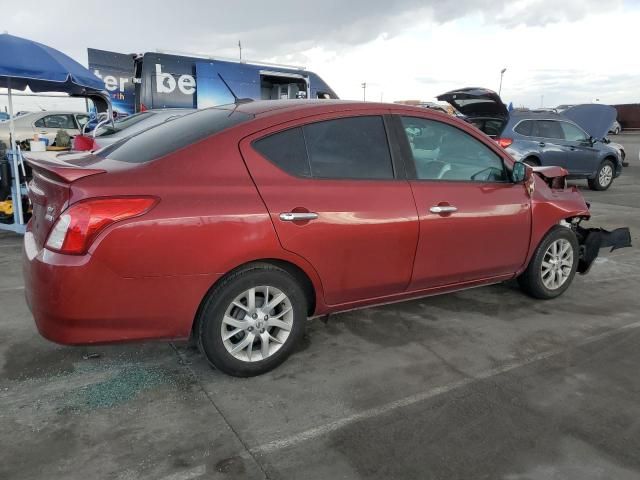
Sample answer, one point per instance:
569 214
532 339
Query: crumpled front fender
591 240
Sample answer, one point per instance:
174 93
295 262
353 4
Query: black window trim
409 162
396 163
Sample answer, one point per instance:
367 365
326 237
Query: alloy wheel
557 264
605 176
257 323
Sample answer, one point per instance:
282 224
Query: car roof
260 108
49 112
520 115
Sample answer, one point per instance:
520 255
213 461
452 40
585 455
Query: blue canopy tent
24 63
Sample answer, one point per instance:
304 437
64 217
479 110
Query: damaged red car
233 225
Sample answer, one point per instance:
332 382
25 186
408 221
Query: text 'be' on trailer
163 80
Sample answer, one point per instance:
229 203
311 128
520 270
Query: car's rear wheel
604 177
616 131
553 265
252 321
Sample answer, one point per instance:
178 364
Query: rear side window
525 128
287 150
345 148
549 129
349 148
170 136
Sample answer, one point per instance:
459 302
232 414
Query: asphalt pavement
482 384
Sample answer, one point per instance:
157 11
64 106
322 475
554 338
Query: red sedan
233 225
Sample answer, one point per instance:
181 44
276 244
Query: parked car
573 140
46 124
615 128
110 133
233 225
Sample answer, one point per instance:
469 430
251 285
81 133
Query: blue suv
575 140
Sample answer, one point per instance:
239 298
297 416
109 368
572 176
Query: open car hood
595 118
476 102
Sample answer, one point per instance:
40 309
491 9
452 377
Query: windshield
118 125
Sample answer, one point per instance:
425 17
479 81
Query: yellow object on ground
6 207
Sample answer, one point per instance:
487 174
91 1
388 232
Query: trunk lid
476 102
50 190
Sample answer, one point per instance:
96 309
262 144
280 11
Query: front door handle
541 144
443 209
298 216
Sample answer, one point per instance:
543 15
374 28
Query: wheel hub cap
257 323
557 264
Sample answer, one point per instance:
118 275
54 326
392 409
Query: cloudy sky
555 51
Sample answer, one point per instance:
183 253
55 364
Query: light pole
364 91
501 75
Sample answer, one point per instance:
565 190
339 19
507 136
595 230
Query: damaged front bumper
591 240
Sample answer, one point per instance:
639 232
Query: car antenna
236 100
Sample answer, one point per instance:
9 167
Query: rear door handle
443 209
298 216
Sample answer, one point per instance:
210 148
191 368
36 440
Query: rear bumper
78 300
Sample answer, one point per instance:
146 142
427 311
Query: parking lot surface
485 383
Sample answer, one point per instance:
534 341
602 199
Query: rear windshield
110 129
168 137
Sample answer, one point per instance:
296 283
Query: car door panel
582 157
487 235
469 230
363 241
548 135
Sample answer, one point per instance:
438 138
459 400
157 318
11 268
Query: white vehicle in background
46 124
615 128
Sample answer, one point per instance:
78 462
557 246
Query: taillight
143 107
79 225
504 142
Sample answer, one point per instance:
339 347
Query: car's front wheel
553 265
252 321
604 176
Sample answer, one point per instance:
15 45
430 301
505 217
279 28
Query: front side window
345 148
82 120
573 133
443 152
549 129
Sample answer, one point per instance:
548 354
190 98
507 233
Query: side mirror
520 172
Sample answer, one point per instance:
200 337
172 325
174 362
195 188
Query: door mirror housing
520 172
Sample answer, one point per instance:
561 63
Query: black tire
210 320
616 131
532 162
598 183
531 281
